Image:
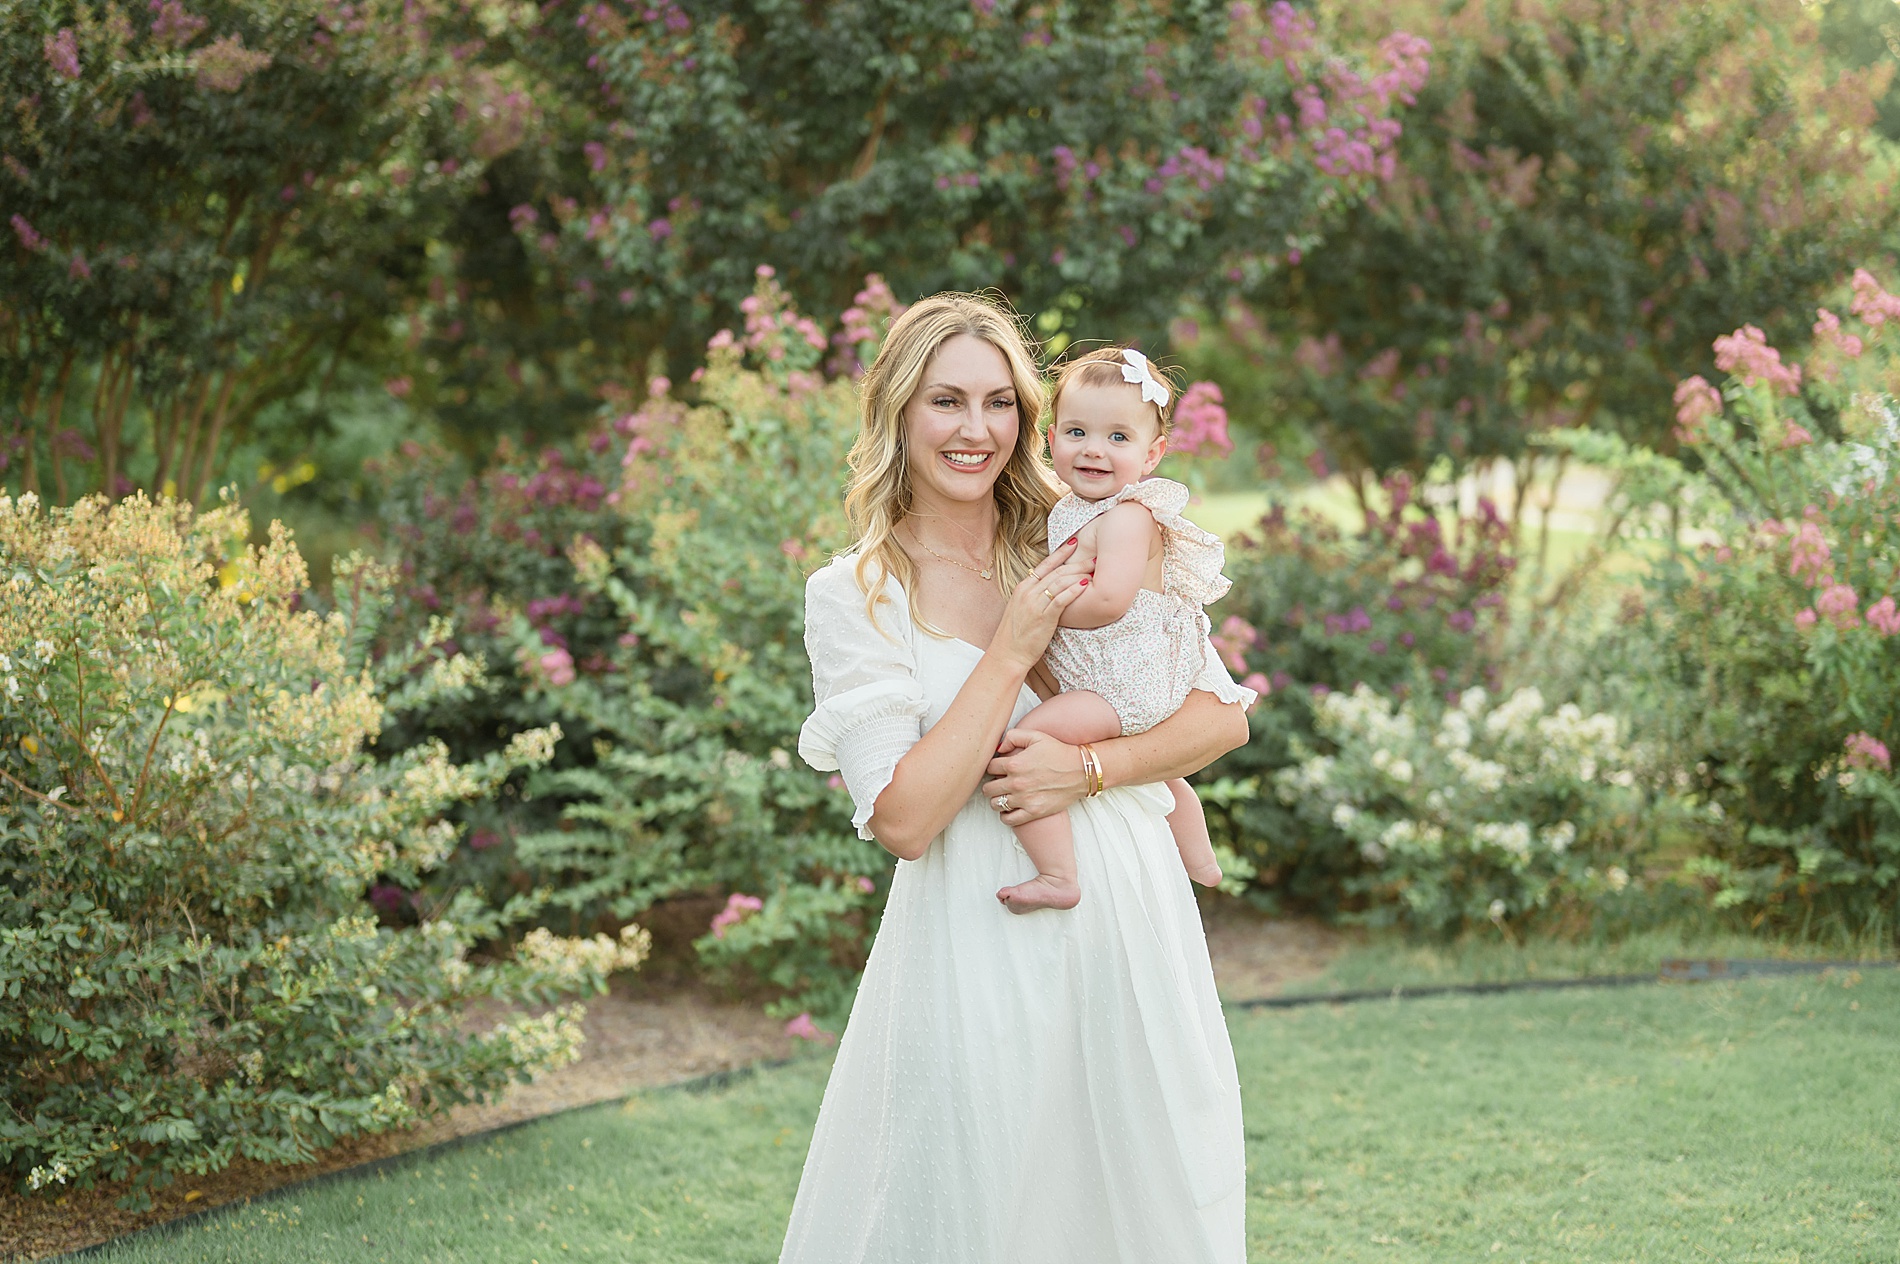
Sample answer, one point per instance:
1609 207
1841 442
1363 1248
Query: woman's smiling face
1104 438
961 423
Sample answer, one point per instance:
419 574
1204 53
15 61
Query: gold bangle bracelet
1091 770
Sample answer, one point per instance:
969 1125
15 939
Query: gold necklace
986 573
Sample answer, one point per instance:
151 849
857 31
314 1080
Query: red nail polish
1071 540
1085 581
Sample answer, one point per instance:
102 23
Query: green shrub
1474 811
694 785
644 588
1770 649
189 827
1416 600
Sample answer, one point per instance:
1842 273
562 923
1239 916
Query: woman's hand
1041 775
1030 618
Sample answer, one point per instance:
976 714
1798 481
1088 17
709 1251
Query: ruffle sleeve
1217 680
870 708
1192 557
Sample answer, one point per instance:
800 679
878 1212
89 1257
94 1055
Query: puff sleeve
870 708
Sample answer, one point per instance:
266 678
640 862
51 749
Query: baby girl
1128 651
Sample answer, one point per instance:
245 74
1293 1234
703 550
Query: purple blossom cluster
62 53
172 25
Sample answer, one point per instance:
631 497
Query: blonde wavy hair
879 495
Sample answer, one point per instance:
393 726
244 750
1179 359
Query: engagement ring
1000 803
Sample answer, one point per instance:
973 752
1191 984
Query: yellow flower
30 745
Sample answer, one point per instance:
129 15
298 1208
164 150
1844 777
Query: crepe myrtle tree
1094 161
210 208
1588 193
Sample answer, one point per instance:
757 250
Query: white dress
1049 1088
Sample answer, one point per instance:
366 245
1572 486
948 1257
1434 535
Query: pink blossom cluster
1872 303
1067 165
738 907
1746 353
803 1028
1321 357
224 65
1812 559
1200 421
1292 34
672 15
172 25
1235 638
1827 331
62 52
1193 164
769 317
873 304
1884 617
28 235
557 665
1864 750
1837 604
1696 402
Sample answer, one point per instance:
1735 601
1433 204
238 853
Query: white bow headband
1136 372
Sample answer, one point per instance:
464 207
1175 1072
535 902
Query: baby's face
1104 438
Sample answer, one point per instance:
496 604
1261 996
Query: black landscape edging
1673 970
706 1083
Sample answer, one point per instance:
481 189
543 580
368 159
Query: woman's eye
1004 403
944 401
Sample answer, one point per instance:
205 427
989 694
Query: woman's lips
966 465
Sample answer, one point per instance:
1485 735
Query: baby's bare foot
1041 892
1208 875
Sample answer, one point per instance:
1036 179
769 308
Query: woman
1042 1088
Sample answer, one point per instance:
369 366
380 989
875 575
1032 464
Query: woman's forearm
1200 732
937 776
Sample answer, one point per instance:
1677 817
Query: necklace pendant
985 574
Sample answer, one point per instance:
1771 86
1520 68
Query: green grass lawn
1753 1121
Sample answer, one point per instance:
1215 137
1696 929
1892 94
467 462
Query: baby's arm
1125 538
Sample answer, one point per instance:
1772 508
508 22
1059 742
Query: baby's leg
1189 824
1079 716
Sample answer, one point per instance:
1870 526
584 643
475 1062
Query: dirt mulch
652 1029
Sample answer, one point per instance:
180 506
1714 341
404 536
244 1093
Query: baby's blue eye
1120 436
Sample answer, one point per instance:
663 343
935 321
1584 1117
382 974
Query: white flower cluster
1513 837
577 961
436 779
533 747
456 672
1486 776
1369 714
54 1173
547 1043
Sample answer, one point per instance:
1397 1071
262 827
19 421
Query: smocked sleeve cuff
861 734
